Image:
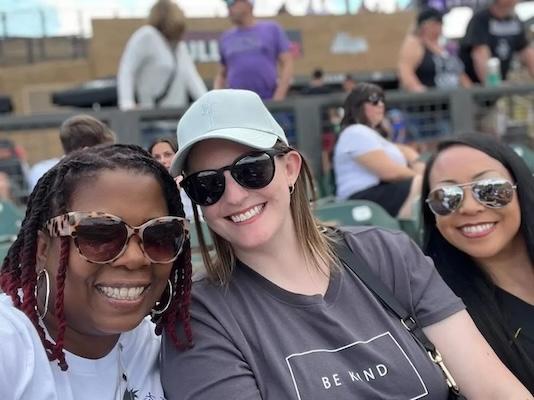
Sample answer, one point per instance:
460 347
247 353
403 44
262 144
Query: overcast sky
64 17
73 17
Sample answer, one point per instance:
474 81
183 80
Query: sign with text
371 369
204 45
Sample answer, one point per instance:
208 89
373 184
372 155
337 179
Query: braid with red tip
51 196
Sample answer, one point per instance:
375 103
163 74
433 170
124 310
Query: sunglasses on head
102 238
492 193
253 170
376 98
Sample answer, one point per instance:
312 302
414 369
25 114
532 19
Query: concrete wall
381 33
20 82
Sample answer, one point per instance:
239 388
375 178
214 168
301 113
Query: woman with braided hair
103 245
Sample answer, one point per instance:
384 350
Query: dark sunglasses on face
376 98
492 193
253 170
102 238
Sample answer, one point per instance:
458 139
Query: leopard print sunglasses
102 238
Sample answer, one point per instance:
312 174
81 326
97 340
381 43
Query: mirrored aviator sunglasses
254 170
102 238
492 193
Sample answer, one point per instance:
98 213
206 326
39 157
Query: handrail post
462 111
309 130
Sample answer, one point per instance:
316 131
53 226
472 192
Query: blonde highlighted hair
167 18
314 239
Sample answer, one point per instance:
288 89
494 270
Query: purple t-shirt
250 56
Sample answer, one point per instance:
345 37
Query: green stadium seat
196 256
356 212
4 247
193 235
526 154
322 201
326 185
10 219
414 226
425 156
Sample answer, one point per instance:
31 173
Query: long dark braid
51 197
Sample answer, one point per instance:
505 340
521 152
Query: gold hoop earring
47 295
291 189
155 312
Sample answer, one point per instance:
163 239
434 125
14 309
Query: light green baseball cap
231 114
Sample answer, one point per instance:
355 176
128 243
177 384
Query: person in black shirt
317 84
424 62
478 220
495 31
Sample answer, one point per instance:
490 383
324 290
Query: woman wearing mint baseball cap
285 310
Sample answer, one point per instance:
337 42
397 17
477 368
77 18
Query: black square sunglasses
254 170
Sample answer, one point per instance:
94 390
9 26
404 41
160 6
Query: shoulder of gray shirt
364 238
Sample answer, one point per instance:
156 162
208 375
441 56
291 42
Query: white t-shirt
354 141
39 169
146 66
26 373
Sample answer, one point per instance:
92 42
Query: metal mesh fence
500 115
311 124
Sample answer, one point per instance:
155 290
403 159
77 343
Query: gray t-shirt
255 340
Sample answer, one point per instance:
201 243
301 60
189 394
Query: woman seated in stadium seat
103 245
278 315
367 165
478 228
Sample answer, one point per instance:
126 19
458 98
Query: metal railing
306 119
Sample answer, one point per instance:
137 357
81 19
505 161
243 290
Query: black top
503 36
439 70
520 318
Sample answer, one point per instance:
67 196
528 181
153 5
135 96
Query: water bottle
493 72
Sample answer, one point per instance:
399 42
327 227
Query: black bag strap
171 77
359 267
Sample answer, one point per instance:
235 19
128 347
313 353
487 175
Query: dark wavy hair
51 197
464 276
353 105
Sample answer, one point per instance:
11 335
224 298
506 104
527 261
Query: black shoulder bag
357 265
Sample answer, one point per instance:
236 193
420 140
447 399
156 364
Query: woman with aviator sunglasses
104 244
278 315
367 165
478 222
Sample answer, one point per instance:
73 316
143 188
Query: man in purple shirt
254 55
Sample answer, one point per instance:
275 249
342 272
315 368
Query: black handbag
357 265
